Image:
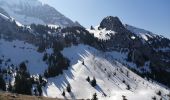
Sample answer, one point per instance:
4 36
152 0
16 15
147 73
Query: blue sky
153 15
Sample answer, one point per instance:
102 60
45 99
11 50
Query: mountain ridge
33 11
56 62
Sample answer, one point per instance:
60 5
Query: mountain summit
33 11
112 23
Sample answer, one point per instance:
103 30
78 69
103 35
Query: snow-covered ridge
3 16
102 34
23 2
33 11
144 34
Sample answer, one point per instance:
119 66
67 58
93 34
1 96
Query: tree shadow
61 81
72 96
99 89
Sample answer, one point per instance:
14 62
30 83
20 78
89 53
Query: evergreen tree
23 67
154 98
128 87
68 88
94 97
83 63
2 83
40 79
93 82
92 28
123 81
10 88
22 84
159 93
39 89
45 57
63 93
127 74
124 97
88 79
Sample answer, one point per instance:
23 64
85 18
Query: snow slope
33 11
144 34
18 52
109 73
102 34
3 16
109 86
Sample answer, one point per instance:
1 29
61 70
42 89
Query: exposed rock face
112 23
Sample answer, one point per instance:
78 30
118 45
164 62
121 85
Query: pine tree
93 82
63 93
39 89
83 63
127 73
124 97
40 79
68 88
45 57
154 98
23 67
94 97
92 28
88 79
128 87
2 83
159 93
23 82
10 88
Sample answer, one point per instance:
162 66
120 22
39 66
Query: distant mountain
33 11
112 60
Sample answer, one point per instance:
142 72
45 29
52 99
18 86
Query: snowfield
109 86
141 33
102 34
18 52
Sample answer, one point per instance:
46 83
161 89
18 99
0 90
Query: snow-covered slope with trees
144 34
74 62
113 79
16 52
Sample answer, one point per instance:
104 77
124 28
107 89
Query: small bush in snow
68 88
93 82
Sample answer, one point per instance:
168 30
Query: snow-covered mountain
110 60
33 11
143 34
114 80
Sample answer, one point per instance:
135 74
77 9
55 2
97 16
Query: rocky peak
112 23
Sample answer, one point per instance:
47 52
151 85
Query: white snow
144 34
19 51
98 65
25 20
133 37
53 26
3 16
102 34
